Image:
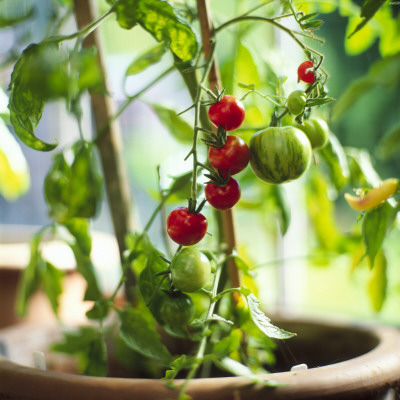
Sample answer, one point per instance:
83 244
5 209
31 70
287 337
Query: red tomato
233 156
223 197
305 72
229 113
186 228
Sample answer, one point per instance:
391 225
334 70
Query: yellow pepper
373 197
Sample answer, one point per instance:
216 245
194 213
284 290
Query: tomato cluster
228 156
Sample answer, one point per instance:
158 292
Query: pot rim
374 372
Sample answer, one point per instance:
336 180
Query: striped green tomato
280 154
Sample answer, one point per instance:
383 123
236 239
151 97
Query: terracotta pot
366 365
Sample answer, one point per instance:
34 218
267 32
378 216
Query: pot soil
345 362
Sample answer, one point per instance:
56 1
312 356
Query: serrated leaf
146 59
99 310
180 363
178 127
159 18
308 16
334 158
377 284
141 336
319 101
263 322
312 24
75 342
26 106
375 226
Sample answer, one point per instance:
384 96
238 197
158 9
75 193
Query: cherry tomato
223 197
296 102
186 228
229 113
190 270
317 131
176 309
305 72
233 157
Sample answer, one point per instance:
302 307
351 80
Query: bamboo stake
228 225
109 143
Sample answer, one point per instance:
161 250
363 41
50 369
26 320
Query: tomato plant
223 197
296 102
229 113
176 309
317 131
186 228
190 270
305 72
279 154
231 158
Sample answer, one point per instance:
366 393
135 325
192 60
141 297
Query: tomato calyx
216 140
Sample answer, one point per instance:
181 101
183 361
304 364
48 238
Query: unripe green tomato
296 102
190 270
279 154
177 309
317 131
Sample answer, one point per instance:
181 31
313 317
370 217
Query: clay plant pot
345 362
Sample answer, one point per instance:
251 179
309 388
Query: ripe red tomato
229 113
233 156
223 197
305 72
186 228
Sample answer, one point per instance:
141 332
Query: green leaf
368 10
76 190
228 344
88 344
319 101
263 322
26 106
238 369
282 206
180 363
80 230
96 360
14 170
377 284
14 20
52 284
178 127
86 269
30 281
159 18
99 310
141 336
85 71
321 211
146 59
389 145
334 158
382 73
375 226
359 43
362 171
